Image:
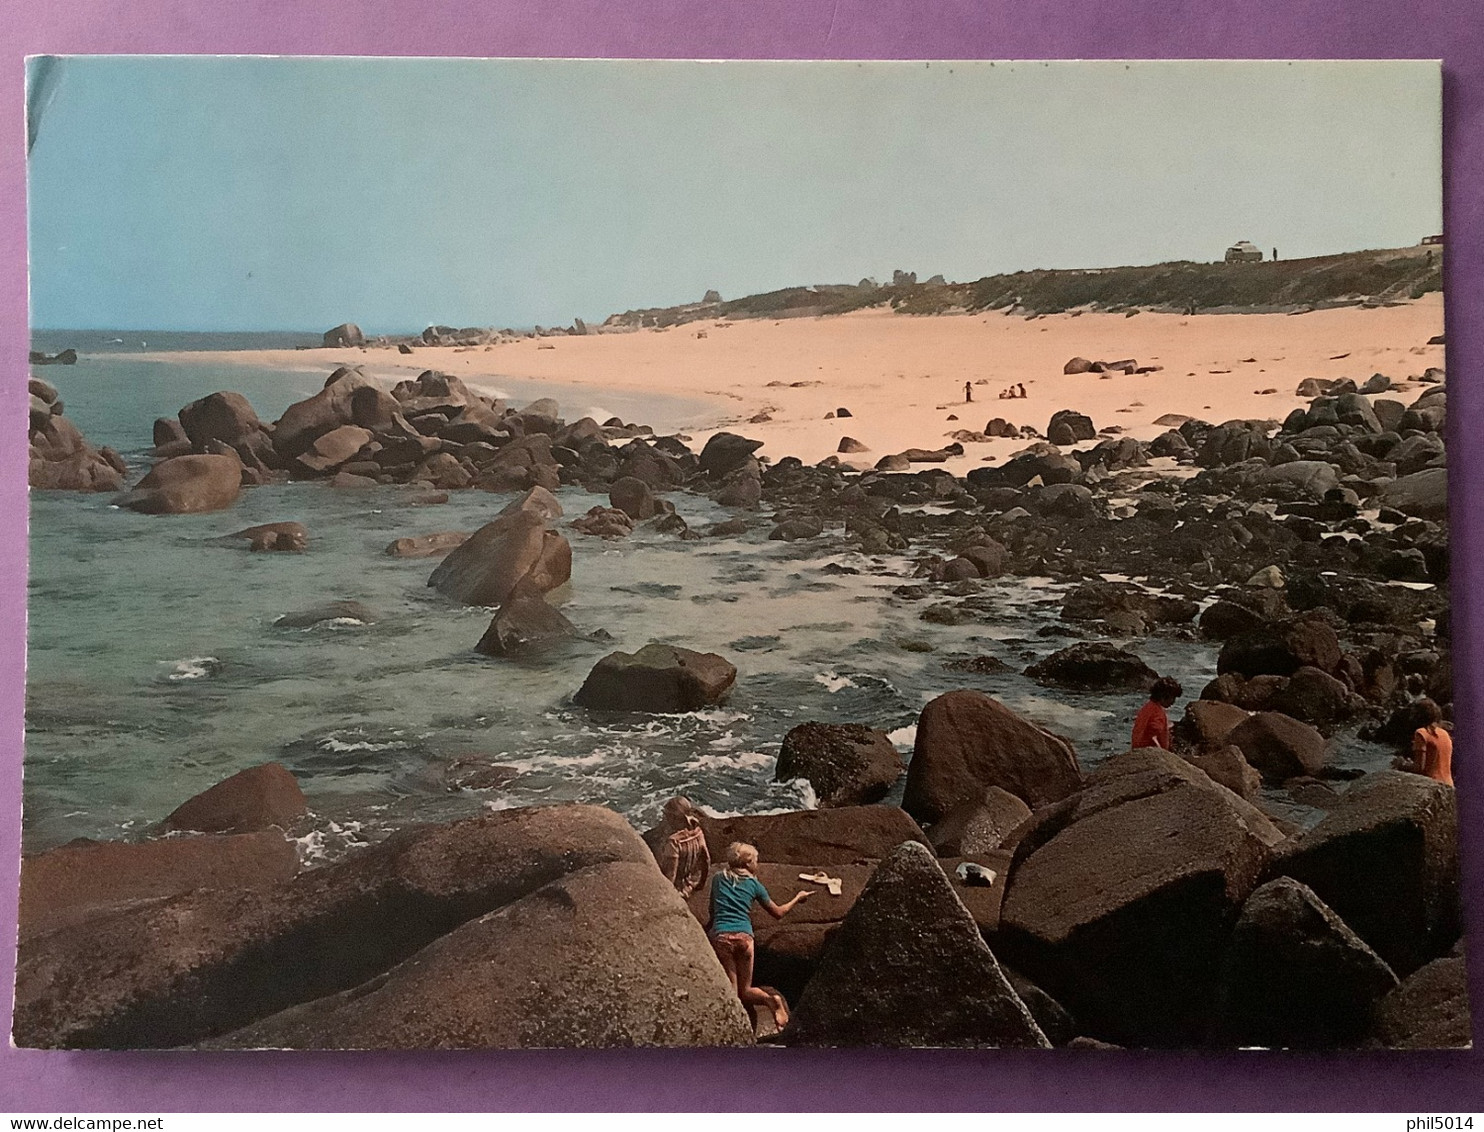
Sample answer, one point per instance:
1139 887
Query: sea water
156 668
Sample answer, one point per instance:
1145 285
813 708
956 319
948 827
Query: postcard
547 553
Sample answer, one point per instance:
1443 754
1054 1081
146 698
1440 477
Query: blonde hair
679 813
741 859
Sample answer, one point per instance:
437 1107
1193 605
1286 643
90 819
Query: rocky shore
1158 899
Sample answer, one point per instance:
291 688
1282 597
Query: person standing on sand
683 858
1152 724
1432 746
968 392
733 891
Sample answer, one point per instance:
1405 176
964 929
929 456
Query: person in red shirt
1152 725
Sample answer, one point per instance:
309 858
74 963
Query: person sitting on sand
1432 746
1020 386
1152 725
683 857
733 891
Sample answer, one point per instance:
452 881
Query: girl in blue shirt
733 891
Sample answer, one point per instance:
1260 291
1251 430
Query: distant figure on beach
1152 724
968 391
1275 255
1019 386
733 891
683 857
1432 746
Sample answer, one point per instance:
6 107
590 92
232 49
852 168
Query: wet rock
1316 697
187 485
848 444
1386 860
792 530
1296 976
1278 746
908 967
1224 619
524 624
658 678
291 537
606 956
349 611
742 491
306 421
732 528
978 826
426 546
1281 650
634 498
485 568
967 741
1206 724
66 886
1093 666
847 764
725 452
260 797
1143 872
1430 1010
210 961
605 522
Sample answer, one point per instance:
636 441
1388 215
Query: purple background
1452 30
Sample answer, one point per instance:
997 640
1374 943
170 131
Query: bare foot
780 1011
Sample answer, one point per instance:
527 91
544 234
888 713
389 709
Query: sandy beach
902 377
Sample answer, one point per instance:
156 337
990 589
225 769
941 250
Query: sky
256 193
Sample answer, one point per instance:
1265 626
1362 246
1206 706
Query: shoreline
902 376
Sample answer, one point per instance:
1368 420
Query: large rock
634 498
658 678
606 956
222 416
336 447
524 623
485 568
1386 860
1281 650
1122 896
967 741
207 962
1278 746
63 887
1311 478
839 836
847 764
61 460
1206 724
1093 666
1296 976
187 485
908 967
346 334
1068 427
1422 495
260 797
1430 1010
306 421
981 825
725 452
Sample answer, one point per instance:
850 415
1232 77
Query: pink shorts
730 947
